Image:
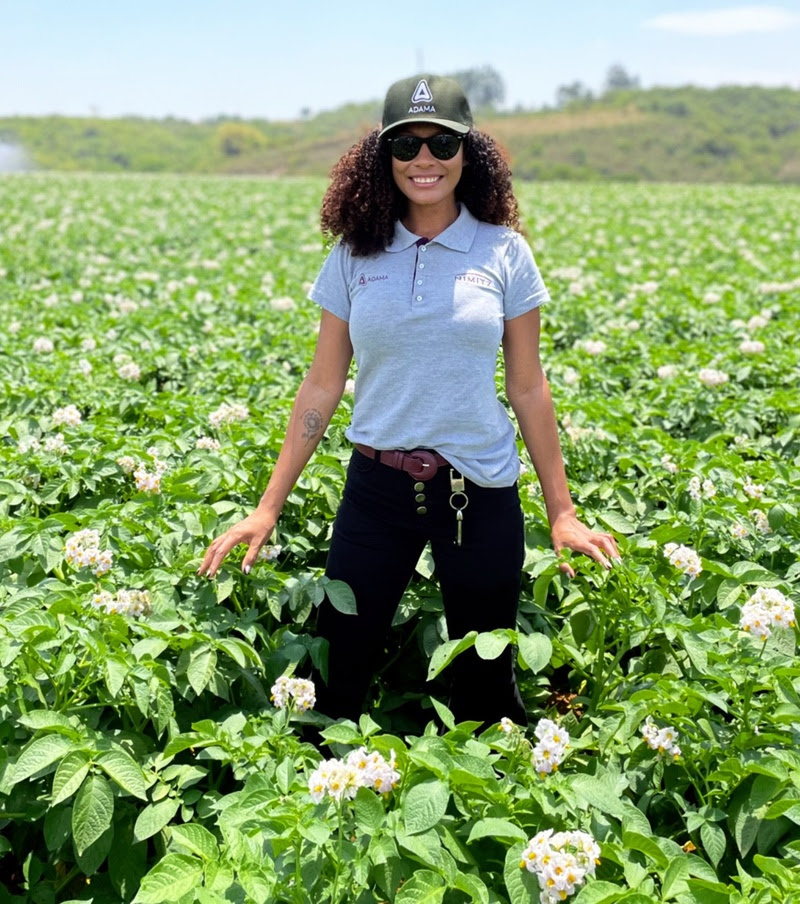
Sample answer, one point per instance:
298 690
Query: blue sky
268 59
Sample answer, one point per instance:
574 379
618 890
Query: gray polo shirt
426 323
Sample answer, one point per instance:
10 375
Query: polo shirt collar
458 236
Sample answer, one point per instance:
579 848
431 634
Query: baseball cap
427 98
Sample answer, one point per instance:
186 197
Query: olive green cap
427 98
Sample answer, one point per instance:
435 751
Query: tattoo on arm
312 421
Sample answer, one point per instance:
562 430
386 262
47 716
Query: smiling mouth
425 180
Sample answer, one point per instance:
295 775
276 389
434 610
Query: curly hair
363 202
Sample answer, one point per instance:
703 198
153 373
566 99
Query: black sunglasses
443 146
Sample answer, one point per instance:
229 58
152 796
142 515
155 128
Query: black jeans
378 536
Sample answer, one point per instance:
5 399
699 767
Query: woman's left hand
568 532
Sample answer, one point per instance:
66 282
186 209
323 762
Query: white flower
753 490
42 345
207 442
84 367
56 444
89 344
571 376
708 376
269 553
756 322
593 346
684 558
127 463
507 726
766 609
146 481
228 414
667 371
28 444
82 550
761 521
668 464
293 693
552 746
130 371
752 347
561 861
282 304
68 415
341 779
134 603
661 739
711 297
739 531
350 387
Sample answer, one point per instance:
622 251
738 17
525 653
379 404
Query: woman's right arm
314 405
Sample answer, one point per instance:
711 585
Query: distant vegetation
735 134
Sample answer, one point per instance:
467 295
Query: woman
429 278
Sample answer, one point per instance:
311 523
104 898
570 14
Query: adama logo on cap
422 99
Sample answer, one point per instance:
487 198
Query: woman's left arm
529 394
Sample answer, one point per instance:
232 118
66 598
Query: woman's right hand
254 530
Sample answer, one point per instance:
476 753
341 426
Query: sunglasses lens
444 147
405 147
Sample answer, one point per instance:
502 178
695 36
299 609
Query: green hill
734 134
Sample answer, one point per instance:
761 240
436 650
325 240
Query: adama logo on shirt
363 280
475 279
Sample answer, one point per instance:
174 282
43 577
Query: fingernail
246 569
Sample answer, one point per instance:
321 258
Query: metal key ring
462 507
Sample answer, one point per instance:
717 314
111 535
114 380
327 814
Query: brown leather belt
421 464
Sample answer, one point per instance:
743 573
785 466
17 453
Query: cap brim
457 127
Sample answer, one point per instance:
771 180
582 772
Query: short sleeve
525 289
331 289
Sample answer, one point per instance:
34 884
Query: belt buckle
427 467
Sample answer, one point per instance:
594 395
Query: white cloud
736 20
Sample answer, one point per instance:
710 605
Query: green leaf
115 670
39 755
728 592
521 885
154 817
368 811
444 714
341 596
599 791
474 887
443 655
598 892
198 839
647 845
496 828
71 772
714 842
91 859
535 651
125 771
223 586
173 876
490 644
92 813
617 522
47 719
202 664
424 806
424 887
675 877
